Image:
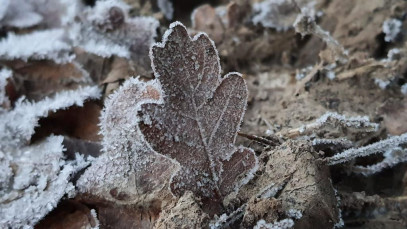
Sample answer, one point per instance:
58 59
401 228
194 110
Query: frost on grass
106 30
47 44
391 28
33 178
197 121
166 8
128 172
392 147
277 14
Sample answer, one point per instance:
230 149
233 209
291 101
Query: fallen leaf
199 118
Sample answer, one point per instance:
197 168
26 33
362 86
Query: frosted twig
378 147
392 157
333 119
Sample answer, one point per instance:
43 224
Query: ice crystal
382 83
335 120
95 217
18 124
33 178
391 28
393 54
294 213
302 73
107 30
391 143
4 75
392 157
197 121
282 224
225 220
46 44
39 179
132 173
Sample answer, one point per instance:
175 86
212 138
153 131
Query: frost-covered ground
203 114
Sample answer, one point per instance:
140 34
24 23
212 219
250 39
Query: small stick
258 139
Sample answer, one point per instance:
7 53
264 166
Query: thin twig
258 139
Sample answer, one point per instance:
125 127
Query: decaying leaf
133 174
197 121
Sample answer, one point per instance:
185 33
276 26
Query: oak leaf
197 121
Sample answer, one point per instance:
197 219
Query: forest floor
311 96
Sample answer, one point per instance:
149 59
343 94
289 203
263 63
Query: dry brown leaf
199 118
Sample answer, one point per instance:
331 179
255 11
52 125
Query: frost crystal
293 213
33 178
335 120
390 144
392 157
95 217
107 30
391 27
18 124
382 83
282 224
301 74
40 178
47 44
4 75
197 121
132 173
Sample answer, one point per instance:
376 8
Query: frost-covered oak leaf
197 122
129 172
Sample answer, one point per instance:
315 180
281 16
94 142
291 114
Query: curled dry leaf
132 174
197 121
